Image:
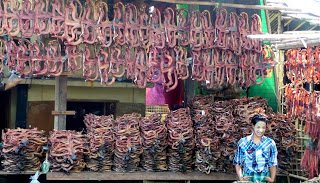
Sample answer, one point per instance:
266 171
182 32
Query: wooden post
280 25
190 84
278 77
60 102
278 70
268 19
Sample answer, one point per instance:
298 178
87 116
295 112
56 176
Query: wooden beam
55 113
243 6
190 85
288 22
140 176
298 177
280 25
78 83
300 25
312 28
268 19
60 103
273 17
282 41
297 44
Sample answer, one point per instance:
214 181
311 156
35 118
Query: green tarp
267 88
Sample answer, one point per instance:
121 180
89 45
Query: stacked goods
67 151
220 125
245 109
22 149
181 142
128 147
154 143
204 133
233 121
225 135
282 130
101 142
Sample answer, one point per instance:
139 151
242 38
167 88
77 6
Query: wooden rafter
273 17
300 25
288 22
315 26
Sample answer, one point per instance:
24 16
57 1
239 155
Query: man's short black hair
258 117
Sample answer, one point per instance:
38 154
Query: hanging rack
230 5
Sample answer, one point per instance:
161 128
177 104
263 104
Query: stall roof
307 19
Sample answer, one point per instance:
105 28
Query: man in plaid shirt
256 156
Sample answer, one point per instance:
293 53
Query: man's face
259 128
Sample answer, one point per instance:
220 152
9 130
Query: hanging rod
230 5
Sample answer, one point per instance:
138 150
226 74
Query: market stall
136 46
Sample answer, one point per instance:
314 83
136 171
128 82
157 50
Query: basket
163 110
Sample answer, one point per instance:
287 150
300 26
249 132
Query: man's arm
239 171
238 158
273 162
273 171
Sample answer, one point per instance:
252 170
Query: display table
17 173
140 176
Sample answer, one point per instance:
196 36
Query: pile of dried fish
220 125
204 133
22 149
154 143
181 142
282 130
67 151
101 142
128 147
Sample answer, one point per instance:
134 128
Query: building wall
41 101
123 95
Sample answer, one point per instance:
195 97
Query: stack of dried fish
218 127
22 149
226 135
181 142
128 147
245 108
154 143
282 130
67 151
101 142
204 133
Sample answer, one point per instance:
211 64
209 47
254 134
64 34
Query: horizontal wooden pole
78 82
297 177
55 113
284 36
229 5
298 44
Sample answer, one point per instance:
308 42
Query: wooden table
18 173
140 176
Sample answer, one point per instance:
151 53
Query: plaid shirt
256 158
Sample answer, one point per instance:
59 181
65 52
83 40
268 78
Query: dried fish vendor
256 156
